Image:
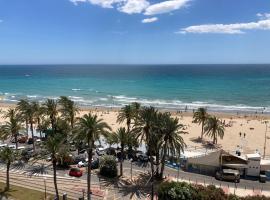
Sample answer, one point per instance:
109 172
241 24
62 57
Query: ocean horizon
219 88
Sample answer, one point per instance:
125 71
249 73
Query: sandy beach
252 128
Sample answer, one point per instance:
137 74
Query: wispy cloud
138 6
236 28
149 20
165 7
1 20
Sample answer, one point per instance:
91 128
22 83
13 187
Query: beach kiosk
210 163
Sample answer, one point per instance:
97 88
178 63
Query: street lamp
45 188
264 148
131 169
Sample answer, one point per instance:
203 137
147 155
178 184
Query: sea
219 88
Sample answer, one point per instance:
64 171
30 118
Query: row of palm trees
159 131
211 125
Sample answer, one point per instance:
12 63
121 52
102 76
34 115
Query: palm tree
8 156
69 110
125 114
172 141
136 109
214 128
121 137
200 117
28 110
50 108
53 146
39 116
144 127
89 129
12 126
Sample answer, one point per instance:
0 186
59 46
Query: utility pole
264 148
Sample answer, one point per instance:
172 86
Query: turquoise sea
228 88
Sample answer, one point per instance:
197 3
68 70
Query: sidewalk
227 188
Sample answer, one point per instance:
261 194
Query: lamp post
131 169
264 148
45 188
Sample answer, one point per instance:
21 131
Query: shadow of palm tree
19 165
40 169
140 186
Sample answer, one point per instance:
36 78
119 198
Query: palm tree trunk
152 176
121 160
163 160
202 129
38 122
157 161
32 132
89 169
7 178
54 178
16 140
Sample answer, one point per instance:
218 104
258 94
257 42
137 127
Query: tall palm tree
12 127
172 141
28 110
50 108
53 147
125 114
200 117
136 109
89 129
144 127
68 109
121 137
39 116
8 156
214 128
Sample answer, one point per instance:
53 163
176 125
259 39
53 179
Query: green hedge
185 191
108 166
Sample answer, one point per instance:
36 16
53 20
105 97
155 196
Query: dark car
30 141
76 172
228 175
143 157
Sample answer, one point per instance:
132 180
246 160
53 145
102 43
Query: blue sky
134 31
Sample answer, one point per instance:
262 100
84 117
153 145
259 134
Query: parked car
30 141
76 172
23 139
3 145
12 146
228 175
100 151
143 157
72 147
94 164
263 177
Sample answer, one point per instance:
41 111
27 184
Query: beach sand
253 127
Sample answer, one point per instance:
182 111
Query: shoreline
251 127
174 112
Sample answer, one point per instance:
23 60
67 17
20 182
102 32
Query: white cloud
137 6
78 1
165 7
237 28
263 15
126 6
149 20
134 6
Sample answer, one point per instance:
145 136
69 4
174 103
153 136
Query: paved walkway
73 187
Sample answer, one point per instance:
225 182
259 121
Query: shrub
108 166
209 193
176 191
